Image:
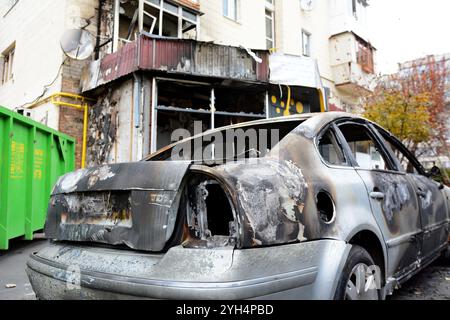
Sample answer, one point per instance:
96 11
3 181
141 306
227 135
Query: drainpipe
81 104
137 107
137 100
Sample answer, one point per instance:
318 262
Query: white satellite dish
77 44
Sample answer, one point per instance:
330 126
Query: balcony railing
365 58
178 56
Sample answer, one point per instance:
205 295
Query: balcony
178 56
351 78
352 61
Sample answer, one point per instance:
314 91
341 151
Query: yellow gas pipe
56 100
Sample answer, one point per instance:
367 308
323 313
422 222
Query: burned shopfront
152 86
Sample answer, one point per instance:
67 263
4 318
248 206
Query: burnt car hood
135 204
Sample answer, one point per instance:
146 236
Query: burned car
332 207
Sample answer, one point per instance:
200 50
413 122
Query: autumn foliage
411 104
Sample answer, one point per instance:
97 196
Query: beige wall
35 27
248 30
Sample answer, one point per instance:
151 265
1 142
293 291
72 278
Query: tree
411 104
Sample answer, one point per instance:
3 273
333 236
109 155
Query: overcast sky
403 30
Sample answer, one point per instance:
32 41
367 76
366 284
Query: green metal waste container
32 158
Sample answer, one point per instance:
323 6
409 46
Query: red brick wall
71 119
71 123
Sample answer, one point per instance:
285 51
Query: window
7 61
270 29
306 43
160 17
330 150
365 150
403 159
230 9
365 56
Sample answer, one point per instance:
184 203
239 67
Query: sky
403 30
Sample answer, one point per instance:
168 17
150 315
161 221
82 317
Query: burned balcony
352 62
178 57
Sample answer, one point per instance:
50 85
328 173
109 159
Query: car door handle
377 195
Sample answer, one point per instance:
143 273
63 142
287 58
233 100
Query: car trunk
135 204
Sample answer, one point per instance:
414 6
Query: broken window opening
158 17
209 216
366 151
331 151
236 100
180 105
170 25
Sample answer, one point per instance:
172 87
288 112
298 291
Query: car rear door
432 206
392 196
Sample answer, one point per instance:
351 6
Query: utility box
32 158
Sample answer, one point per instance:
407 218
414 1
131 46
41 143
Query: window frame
226 10
162 9
385 135
338 136
309 47
272 19
7 61
382 149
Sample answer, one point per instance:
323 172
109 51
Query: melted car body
334 182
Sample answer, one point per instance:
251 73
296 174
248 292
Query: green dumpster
32 158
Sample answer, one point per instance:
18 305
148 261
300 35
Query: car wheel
358 279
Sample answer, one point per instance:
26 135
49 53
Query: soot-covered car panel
320 183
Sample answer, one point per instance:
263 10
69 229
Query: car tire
358 260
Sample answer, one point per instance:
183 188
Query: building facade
159 65
332 32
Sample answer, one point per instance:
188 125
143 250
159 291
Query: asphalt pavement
12 270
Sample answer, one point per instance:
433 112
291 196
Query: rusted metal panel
178 56
146 53
111 67
173 56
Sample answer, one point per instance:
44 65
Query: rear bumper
298 271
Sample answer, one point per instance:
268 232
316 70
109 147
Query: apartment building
159 65
333 33
33 68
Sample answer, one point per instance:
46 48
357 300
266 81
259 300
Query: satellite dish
77 44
